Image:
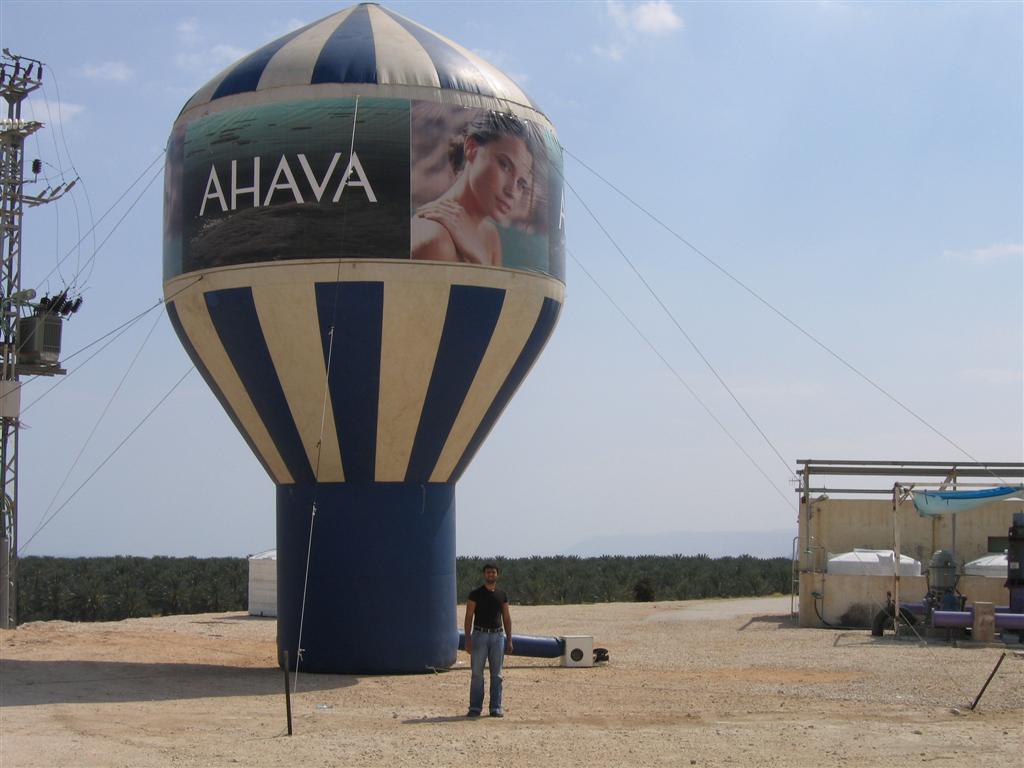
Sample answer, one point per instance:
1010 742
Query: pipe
952 618
529 645
966 618
919 609
1010 621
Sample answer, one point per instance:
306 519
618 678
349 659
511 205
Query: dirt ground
706 683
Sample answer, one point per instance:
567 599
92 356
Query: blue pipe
529 645
966 619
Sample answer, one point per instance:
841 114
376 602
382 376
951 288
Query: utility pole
19 76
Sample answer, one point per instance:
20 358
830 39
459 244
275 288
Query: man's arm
506 620
468 626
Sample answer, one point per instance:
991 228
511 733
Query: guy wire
672 317
786 499
776 310
323 413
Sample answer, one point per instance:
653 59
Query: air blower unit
579 651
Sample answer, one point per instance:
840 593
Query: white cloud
987 255
503 62
188 31
209 61
653 18
612 52
203 58
109 70
225 54
292 24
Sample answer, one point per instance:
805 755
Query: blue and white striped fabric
423 358
365 44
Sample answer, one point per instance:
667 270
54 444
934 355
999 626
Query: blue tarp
932 503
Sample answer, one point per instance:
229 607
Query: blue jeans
487 647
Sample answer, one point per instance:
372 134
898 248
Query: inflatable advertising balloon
364 256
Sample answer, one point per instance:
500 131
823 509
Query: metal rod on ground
993 674
5 581
288 695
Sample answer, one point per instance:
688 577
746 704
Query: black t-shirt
488 607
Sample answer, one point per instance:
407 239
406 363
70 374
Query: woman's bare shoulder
431 241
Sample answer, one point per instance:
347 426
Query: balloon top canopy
369 45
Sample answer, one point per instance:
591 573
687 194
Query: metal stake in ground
993 674
288 695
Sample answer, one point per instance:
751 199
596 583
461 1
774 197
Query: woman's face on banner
500 174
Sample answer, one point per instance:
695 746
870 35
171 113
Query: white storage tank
263 583
872 562
989 566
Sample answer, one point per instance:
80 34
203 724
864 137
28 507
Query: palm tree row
114 588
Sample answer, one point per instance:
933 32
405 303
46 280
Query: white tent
263 583
990 566
872 562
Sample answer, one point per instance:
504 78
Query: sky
860 166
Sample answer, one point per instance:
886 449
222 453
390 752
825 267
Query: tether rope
679 327
323 411
778 312
787 500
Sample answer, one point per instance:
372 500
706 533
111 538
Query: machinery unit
1015 563
39 339
579 651
942 581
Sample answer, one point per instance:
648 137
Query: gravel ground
707 683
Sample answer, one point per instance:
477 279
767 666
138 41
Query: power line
116 332
135 202
103 463
71 161
61 380
92 257
99 221
106 409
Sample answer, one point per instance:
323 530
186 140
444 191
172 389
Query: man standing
488 635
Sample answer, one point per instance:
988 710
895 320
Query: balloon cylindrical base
380 592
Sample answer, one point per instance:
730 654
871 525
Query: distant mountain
773 543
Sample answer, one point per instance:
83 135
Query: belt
488 629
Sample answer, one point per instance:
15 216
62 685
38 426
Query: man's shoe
497 713
472 713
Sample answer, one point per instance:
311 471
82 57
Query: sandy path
697 683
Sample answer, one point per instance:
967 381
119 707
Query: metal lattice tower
19 76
